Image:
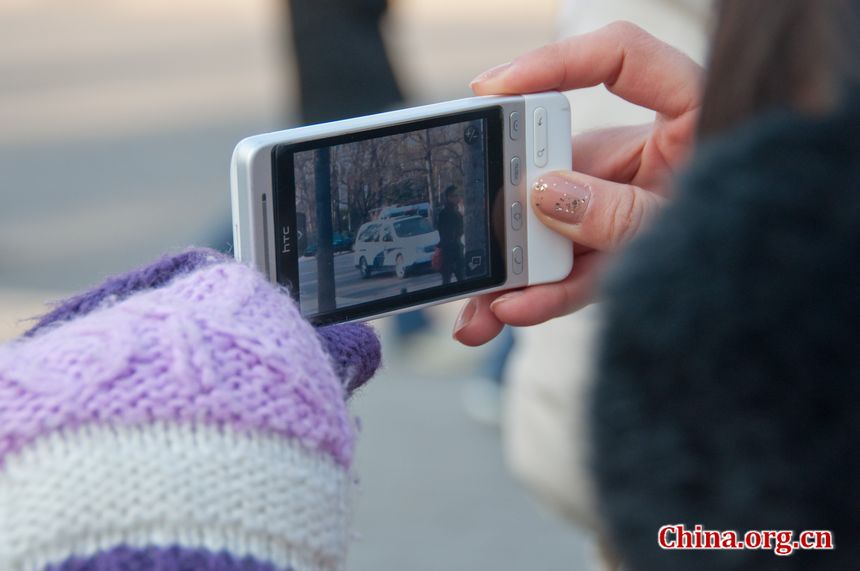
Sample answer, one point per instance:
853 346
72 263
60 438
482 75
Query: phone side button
514 125
516 216
515 171
517 260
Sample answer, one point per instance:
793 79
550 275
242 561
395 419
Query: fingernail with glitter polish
560 196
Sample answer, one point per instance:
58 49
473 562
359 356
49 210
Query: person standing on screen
450 226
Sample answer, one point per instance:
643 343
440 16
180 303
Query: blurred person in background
450 226
721 399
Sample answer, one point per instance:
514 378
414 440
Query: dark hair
768 54
450 190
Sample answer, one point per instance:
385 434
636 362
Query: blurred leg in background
482 395
344 70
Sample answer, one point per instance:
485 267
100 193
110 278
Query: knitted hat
180 417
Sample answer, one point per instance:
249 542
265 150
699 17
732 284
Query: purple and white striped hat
183 416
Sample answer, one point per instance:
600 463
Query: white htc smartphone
376 215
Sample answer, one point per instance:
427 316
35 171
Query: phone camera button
515 171
514 125
541 137
516 216
517 260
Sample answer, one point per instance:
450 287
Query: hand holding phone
626 170
374 215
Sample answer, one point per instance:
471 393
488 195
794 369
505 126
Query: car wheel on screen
400 266
363 268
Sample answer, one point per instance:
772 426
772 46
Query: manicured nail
466 315
504 299
561 198
490 73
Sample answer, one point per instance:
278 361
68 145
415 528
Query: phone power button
541 136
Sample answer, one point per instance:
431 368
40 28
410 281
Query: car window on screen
413 227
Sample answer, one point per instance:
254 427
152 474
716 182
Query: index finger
629 61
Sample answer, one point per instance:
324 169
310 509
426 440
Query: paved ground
118 119
435 491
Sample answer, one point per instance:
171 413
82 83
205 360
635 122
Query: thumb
355 352
593 212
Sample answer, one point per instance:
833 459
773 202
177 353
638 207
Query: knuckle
630 36
559 56
625 216
627 30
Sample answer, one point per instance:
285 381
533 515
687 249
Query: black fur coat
729 375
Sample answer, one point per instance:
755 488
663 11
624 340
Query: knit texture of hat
182 416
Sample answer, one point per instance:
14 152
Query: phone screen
378 220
